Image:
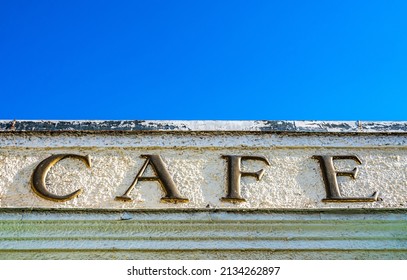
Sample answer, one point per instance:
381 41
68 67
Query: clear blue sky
251 60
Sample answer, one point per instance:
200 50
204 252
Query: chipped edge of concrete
203 126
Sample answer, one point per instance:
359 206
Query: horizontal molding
264 126
200 140
142 233
203 254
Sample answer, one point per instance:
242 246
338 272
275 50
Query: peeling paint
237 126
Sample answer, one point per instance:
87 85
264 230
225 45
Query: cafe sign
202 165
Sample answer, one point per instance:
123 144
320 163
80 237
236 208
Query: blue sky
186 60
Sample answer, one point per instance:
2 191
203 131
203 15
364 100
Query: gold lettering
329 175
38 184
162 176
235 173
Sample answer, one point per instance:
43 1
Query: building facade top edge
202 126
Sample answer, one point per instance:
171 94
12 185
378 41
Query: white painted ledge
202 126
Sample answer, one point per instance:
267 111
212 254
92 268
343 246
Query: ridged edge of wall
332 234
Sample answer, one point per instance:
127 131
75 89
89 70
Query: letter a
162 176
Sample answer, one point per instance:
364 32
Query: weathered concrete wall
284 215
293 179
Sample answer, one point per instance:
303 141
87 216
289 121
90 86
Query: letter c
38 184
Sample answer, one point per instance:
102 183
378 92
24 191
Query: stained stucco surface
194 160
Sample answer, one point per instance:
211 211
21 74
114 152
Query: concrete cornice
203 126
202 235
